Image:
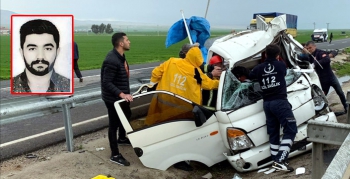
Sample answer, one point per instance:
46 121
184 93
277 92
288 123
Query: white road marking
93 76
51 131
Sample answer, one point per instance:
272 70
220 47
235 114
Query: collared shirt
58 83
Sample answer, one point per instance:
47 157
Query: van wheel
320 100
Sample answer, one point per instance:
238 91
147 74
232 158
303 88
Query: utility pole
314 25
206 11
327 25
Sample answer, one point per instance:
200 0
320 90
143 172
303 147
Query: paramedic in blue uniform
278 111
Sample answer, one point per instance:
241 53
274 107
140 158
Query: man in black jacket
115 86
278 111
325 73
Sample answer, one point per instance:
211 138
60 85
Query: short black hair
39 26
117 37
310 43
239 71
272 51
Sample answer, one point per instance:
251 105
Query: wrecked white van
236 129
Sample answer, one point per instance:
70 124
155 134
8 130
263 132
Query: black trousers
115 124
76 68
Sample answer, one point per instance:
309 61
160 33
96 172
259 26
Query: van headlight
237 139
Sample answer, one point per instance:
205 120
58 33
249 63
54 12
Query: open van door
163 130
260 22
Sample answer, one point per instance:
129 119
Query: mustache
40 61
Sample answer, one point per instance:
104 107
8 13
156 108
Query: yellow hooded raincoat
177 75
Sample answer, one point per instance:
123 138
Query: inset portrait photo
41 54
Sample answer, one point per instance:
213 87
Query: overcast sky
229 13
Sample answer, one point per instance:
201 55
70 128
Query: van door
162 131
260 22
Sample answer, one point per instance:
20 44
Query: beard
36 72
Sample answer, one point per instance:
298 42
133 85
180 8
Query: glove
334 52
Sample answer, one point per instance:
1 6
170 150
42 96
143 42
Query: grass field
145 47
305 35
347 50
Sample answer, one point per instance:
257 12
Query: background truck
291 21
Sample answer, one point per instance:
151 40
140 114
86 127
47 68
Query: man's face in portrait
39 53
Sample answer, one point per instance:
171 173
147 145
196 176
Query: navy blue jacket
114 77
270 75
326 74
76 51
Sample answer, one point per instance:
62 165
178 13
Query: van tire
319 98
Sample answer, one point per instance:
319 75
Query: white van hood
247 43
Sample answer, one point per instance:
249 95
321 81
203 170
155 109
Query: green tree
102 28
109 29
95 28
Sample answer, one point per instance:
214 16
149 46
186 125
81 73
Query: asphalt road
21 136
336 44
24 135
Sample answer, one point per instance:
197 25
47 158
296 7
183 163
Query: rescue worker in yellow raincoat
184 78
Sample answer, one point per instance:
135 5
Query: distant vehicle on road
320 35
292 21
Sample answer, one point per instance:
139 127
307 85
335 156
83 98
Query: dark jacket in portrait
58 83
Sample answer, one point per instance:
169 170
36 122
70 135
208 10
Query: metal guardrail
10 107
321 133
52 104
340 163
25 108
64 101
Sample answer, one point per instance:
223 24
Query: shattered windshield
238 94
292 76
